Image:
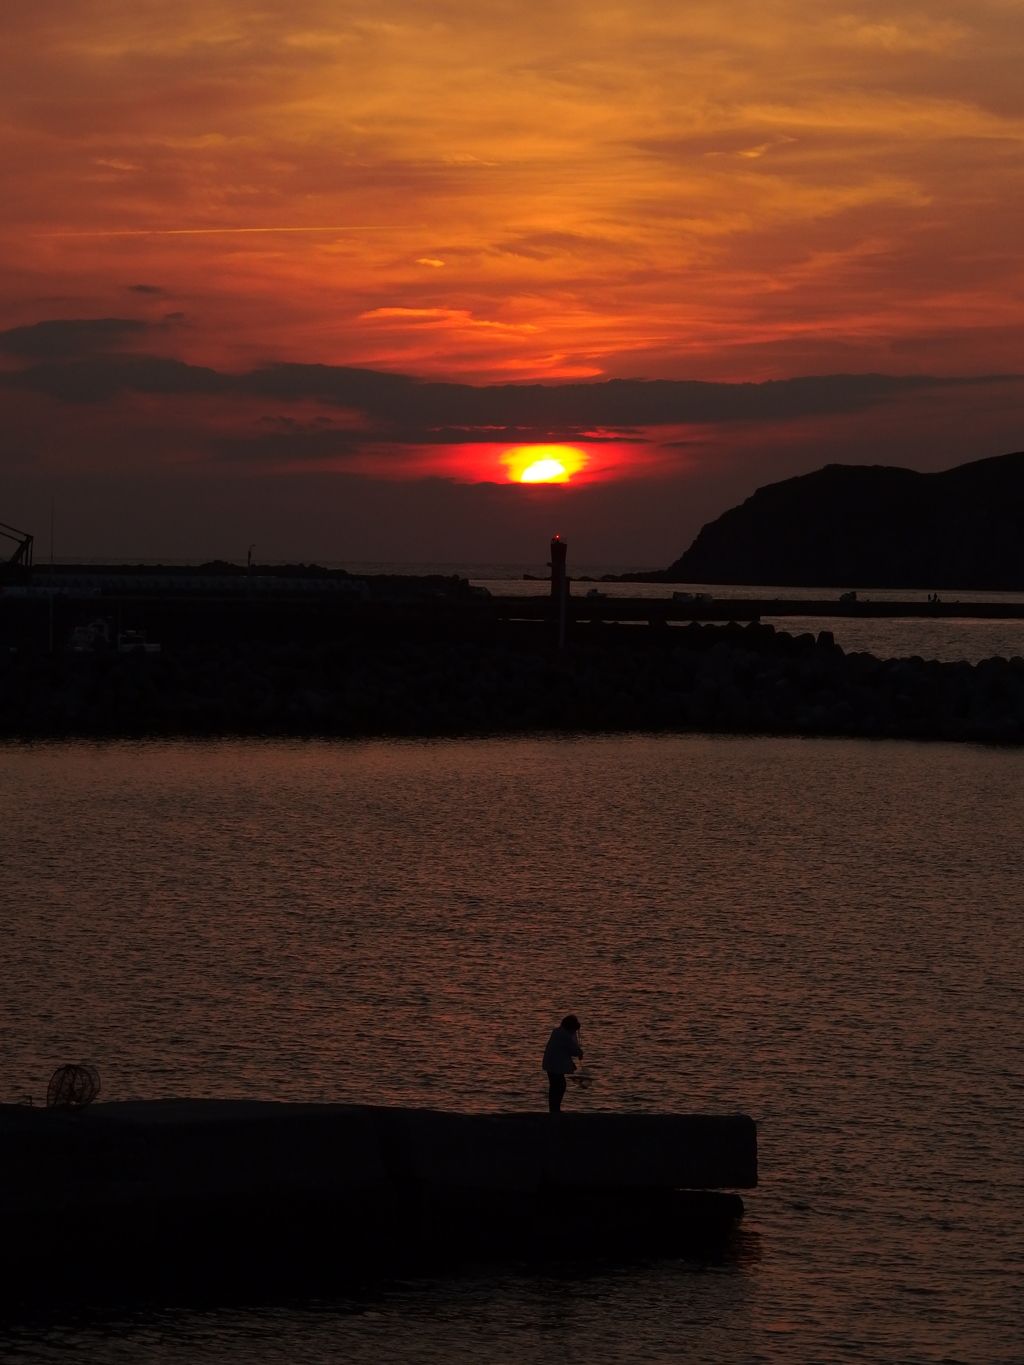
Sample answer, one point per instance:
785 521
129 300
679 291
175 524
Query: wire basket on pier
73 1087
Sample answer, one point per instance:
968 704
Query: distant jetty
194 1193
161 652
869 526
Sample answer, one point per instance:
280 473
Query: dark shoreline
427 677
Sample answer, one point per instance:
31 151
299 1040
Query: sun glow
543 464
544 471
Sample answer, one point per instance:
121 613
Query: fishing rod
582 1077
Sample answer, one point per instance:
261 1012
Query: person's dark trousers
556 1089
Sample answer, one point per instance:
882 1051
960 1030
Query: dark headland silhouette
870 526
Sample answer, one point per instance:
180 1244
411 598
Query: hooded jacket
562 1047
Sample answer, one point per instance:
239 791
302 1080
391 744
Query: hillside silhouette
871 526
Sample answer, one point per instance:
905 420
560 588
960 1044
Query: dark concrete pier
181 1193
688 607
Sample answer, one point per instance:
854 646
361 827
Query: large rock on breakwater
749 679
203 1193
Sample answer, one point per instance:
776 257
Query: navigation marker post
559 583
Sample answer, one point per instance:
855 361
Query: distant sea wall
507 677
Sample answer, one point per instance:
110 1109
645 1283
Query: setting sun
543 464
544 471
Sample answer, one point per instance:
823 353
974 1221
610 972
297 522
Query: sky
330 277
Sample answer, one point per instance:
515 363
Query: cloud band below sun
113 378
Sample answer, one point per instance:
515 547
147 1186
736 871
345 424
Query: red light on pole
558 551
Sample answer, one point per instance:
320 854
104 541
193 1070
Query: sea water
827 935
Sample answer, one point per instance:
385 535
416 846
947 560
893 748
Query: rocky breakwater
500 677
204 1193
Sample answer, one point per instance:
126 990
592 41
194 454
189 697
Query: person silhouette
563 1046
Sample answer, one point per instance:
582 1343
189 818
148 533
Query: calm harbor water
826 934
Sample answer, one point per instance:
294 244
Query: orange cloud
726 190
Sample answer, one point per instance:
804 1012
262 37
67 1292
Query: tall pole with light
559 583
